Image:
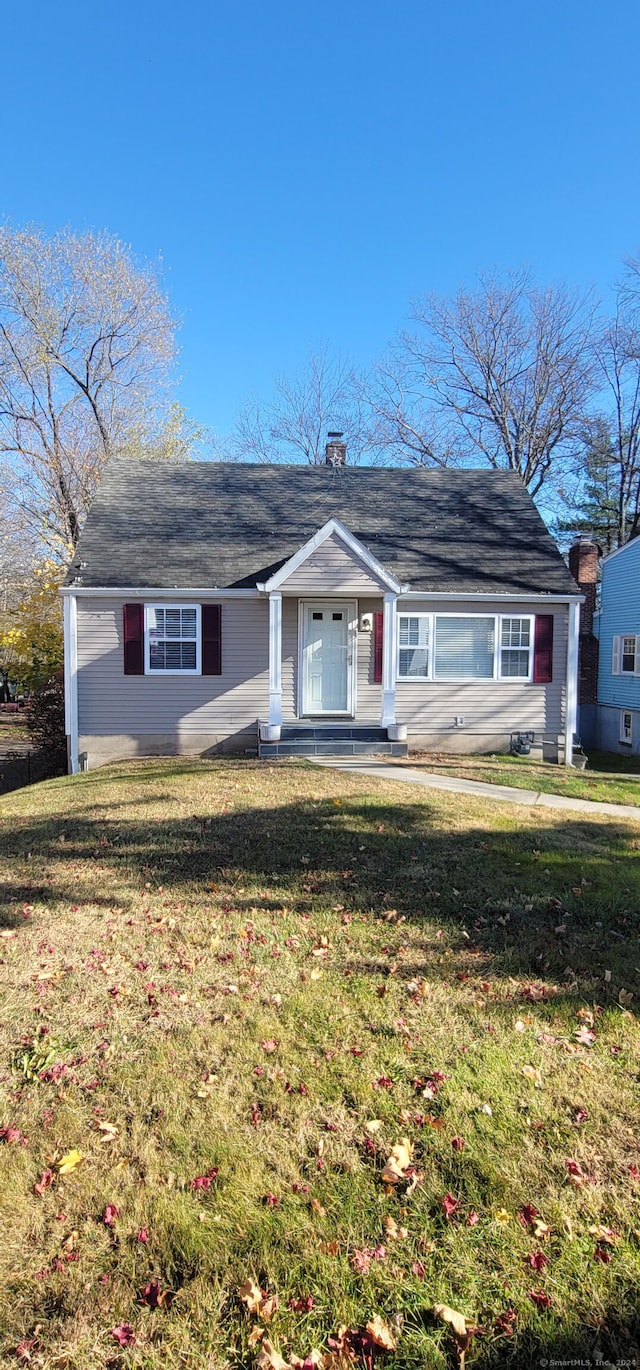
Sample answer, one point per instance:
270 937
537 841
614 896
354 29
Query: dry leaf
532 1074
251 1294
329 1248
392 1230
270 1359
381 1334
398 1163
456 1321
373 1126
317 1208
256 1334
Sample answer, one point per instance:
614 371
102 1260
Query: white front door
327 657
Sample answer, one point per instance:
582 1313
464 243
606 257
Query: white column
275 659
571 718
71 680
389 660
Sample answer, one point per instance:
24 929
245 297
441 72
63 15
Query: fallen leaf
124 1334
532 1074
329 1248
69 1162
318 1208
46 1180
398 1163
458 1143
381 1334
537 1260
111 1212
392 1230
373 1126
539 1297
251 1294
450 1205
456 1321
625 997
270 1359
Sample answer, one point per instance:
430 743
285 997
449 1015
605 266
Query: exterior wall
492 710
331 570
609 731
619 614
121 715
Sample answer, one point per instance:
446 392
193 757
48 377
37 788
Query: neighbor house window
464 647
172 638
413 645
626 726
626 654
516 647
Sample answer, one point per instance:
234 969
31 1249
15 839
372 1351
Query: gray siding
331 570
111 703
491 708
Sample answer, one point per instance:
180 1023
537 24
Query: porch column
571 709
389 660
275 659
71 681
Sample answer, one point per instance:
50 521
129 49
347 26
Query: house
214 606
618 727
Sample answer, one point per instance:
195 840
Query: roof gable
357 557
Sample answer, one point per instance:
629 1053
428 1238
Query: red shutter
133 615
211 639
378 629
543 649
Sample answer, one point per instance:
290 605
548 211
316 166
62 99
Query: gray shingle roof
218 525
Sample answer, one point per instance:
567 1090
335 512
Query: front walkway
477 788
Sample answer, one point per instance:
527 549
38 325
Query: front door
327 658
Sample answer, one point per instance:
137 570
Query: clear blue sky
306 169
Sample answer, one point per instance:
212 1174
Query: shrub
45 721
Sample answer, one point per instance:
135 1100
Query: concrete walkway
503 793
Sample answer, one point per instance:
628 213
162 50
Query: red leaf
151 1294
12 1134
111 1212
450 1205
539 1297
303 1305
458 1143
383 1082
418 1269
505 1322
124 1334
601 1254
205 1181
473 1219
537 1260
143 1235
527 1215
271 1200
269 1045
46 1179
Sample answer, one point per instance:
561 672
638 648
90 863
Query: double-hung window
465 647
172 639
626 654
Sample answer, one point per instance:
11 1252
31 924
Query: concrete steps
332 740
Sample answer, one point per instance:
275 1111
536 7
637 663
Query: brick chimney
584 560
335 452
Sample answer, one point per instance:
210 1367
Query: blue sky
306 170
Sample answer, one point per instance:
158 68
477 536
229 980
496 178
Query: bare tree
619 358
87 342
293 425
502 373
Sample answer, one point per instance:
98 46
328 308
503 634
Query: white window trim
166 605
496 678
616 665
626 741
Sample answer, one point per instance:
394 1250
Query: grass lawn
614 779
234 989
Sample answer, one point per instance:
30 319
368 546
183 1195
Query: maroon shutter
378 628
543 649
133 615
211 639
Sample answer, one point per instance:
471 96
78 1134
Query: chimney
584 559
335 452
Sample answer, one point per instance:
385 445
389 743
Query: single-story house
219 606
618 628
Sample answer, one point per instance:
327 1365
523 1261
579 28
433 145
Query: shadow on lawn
540 903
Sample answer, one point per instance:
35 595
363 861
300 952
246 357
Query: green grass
160 922
609 778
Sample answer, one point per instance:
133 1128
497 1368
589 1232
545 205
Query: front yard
609 778
285 1052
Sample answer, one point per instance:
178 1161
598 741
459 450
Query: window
413 645
468 647
626 654
626 726
464 647
172 638
516 642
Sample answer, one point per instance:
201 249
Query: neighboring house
214 606
619 659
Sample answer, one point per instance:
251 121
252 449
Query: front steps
331 740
